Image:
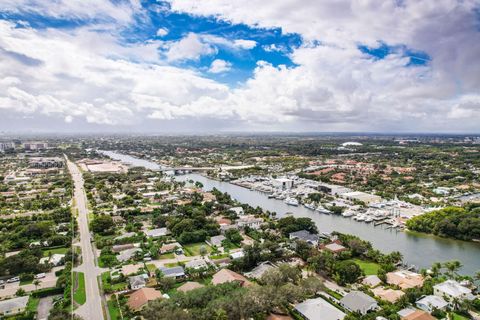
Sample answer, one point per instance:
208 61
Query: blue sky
289 65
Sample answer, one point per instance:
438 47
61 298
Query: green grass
24 282
369 268
151 267
219 256
32 304
167 256
54 251
79 296
113 310
193 249
171 265
456 316
334 294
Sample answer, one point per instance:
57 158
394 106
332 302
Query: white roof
156 232
452 288
10 305
319 309
237 255
433 301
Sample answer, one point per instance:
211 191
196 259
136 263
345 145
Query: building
4 146
170 247
137 300
428 303
451 289
238 210
13 306
35 146
334 247
225 275
174 272
389 294
237 255
138 282
189 286
413 314
196 264
121 247
357 301
405 279
283 183
304 235
362 196
249 221
55 259
372 281
156 233
128 254
45 163
316 309
260 270
217 240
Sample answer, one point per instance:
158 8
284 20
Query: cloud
219 66
245 44
162 32
191 47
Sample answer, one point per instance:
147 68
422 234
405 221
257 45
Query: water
419 249
136 162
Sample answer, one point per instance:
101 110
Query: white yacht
309 206
291 201
321 209
348 213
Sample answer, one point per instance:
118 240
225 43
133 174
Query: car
14 279
2 282
40 276
147 259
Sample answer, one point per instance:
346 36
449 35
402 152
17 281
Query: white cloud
245 44
162 32
219 66
191 47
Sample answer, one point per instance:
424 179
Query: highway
92 309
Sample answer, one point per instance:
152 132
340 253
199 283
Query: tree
36 283
102 224
452 267
20 292
234 236
347 272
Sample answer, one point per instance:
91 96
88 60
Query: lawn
54 251
456 316
167 256
193 249
113 310
151 267
32 305
24 282
369 268
79 295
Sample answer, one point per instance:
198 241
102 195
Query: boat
309 206
348 213
360 217
321 209
368 219
291 202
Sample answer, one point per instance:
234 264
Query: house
169 247
137 300
389 294
55 259
249 221
357 301
138 282
127 254
405 279
283 183
313 309
372 281
217 240
121 247
260 270
237 255
428 303
334 247
451 289
189 286
225 275
238 210
413 314
274 316
196 264
304 235
125 235
174 272
156 233
13 306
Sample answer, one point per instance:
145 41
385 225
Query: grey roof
125 235
173 272
405 312
154 233
319 309
196 264
260 270
127 254
432 301
304 235
357 301
13 304
217 240
136 281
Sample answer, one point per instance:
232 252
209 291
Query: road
92 309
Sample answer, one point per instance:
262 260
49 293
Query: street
92 309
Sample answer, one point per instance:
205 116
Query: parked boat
321 209
291 202
348 213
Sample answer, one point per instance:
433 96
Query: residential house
260 270
189 286
138 282
56 259
170 247
429 303
451 289
13 306
128 254
372 281
405 279
174 272
156 233
316 309
304 236
121 247
226 275
196 264
388 294
357 301
125 235
237 255
137 300
414 314
335 247
238 210
217 240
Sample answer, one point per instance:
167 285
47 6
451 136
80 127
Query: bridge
196 169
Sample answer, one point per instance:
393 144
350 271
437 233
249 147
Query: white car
14 279
40 276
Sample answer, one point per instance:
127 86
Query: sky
240 66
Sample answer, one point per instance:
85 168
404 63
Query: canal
419 249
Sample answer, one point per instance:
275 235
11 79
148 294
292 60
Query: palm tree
436 269
452 267
36 283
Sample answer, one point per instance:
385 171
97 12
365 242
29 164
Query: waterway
419 249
